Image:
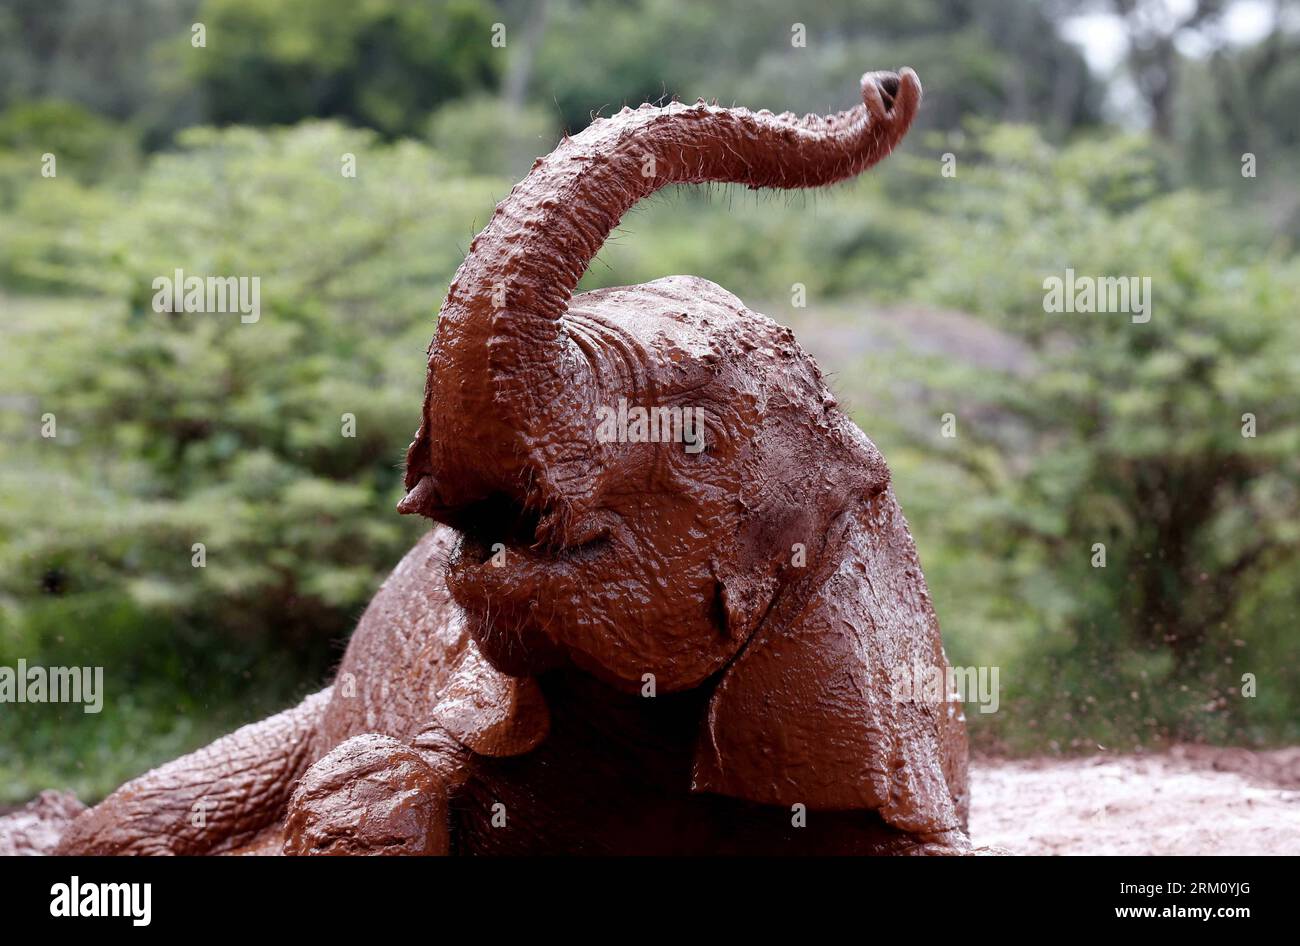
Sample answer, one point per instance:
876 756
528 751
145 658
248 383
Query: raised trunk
502 311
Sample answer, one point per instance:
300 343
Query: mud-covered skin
640 752
369 795
224 796
606 771
578 766
764 589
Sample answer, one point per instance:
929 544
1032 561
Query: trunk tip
892 96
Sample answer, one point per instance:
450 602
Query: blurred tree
523 54
491 136
1167 39
1241 100
999 59
93 53
232 432
379 63
1175 443
83 143
1154 28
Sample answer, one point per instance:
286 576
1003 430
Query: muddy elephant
668 584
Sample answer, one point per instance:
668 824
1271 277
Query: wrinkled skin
614 646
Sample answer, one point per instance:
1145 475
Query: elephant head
653 482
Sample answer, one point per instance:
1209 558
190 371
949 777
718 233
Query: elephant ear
808 712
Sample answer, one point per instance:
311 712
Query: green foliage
381 63
200 426
997 59
1107 431
84 143
180 428
489 136
101 55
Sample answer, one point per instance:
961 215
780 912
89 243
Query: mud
372 794
35 828
1194 800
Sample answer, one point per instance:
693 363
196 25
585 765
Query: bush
1113 433
489 136
382 63
176 429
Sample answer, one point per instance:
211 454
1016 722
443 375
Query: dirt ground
1190 800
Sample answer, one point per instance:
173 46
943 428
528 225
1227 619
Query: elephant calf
625 642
